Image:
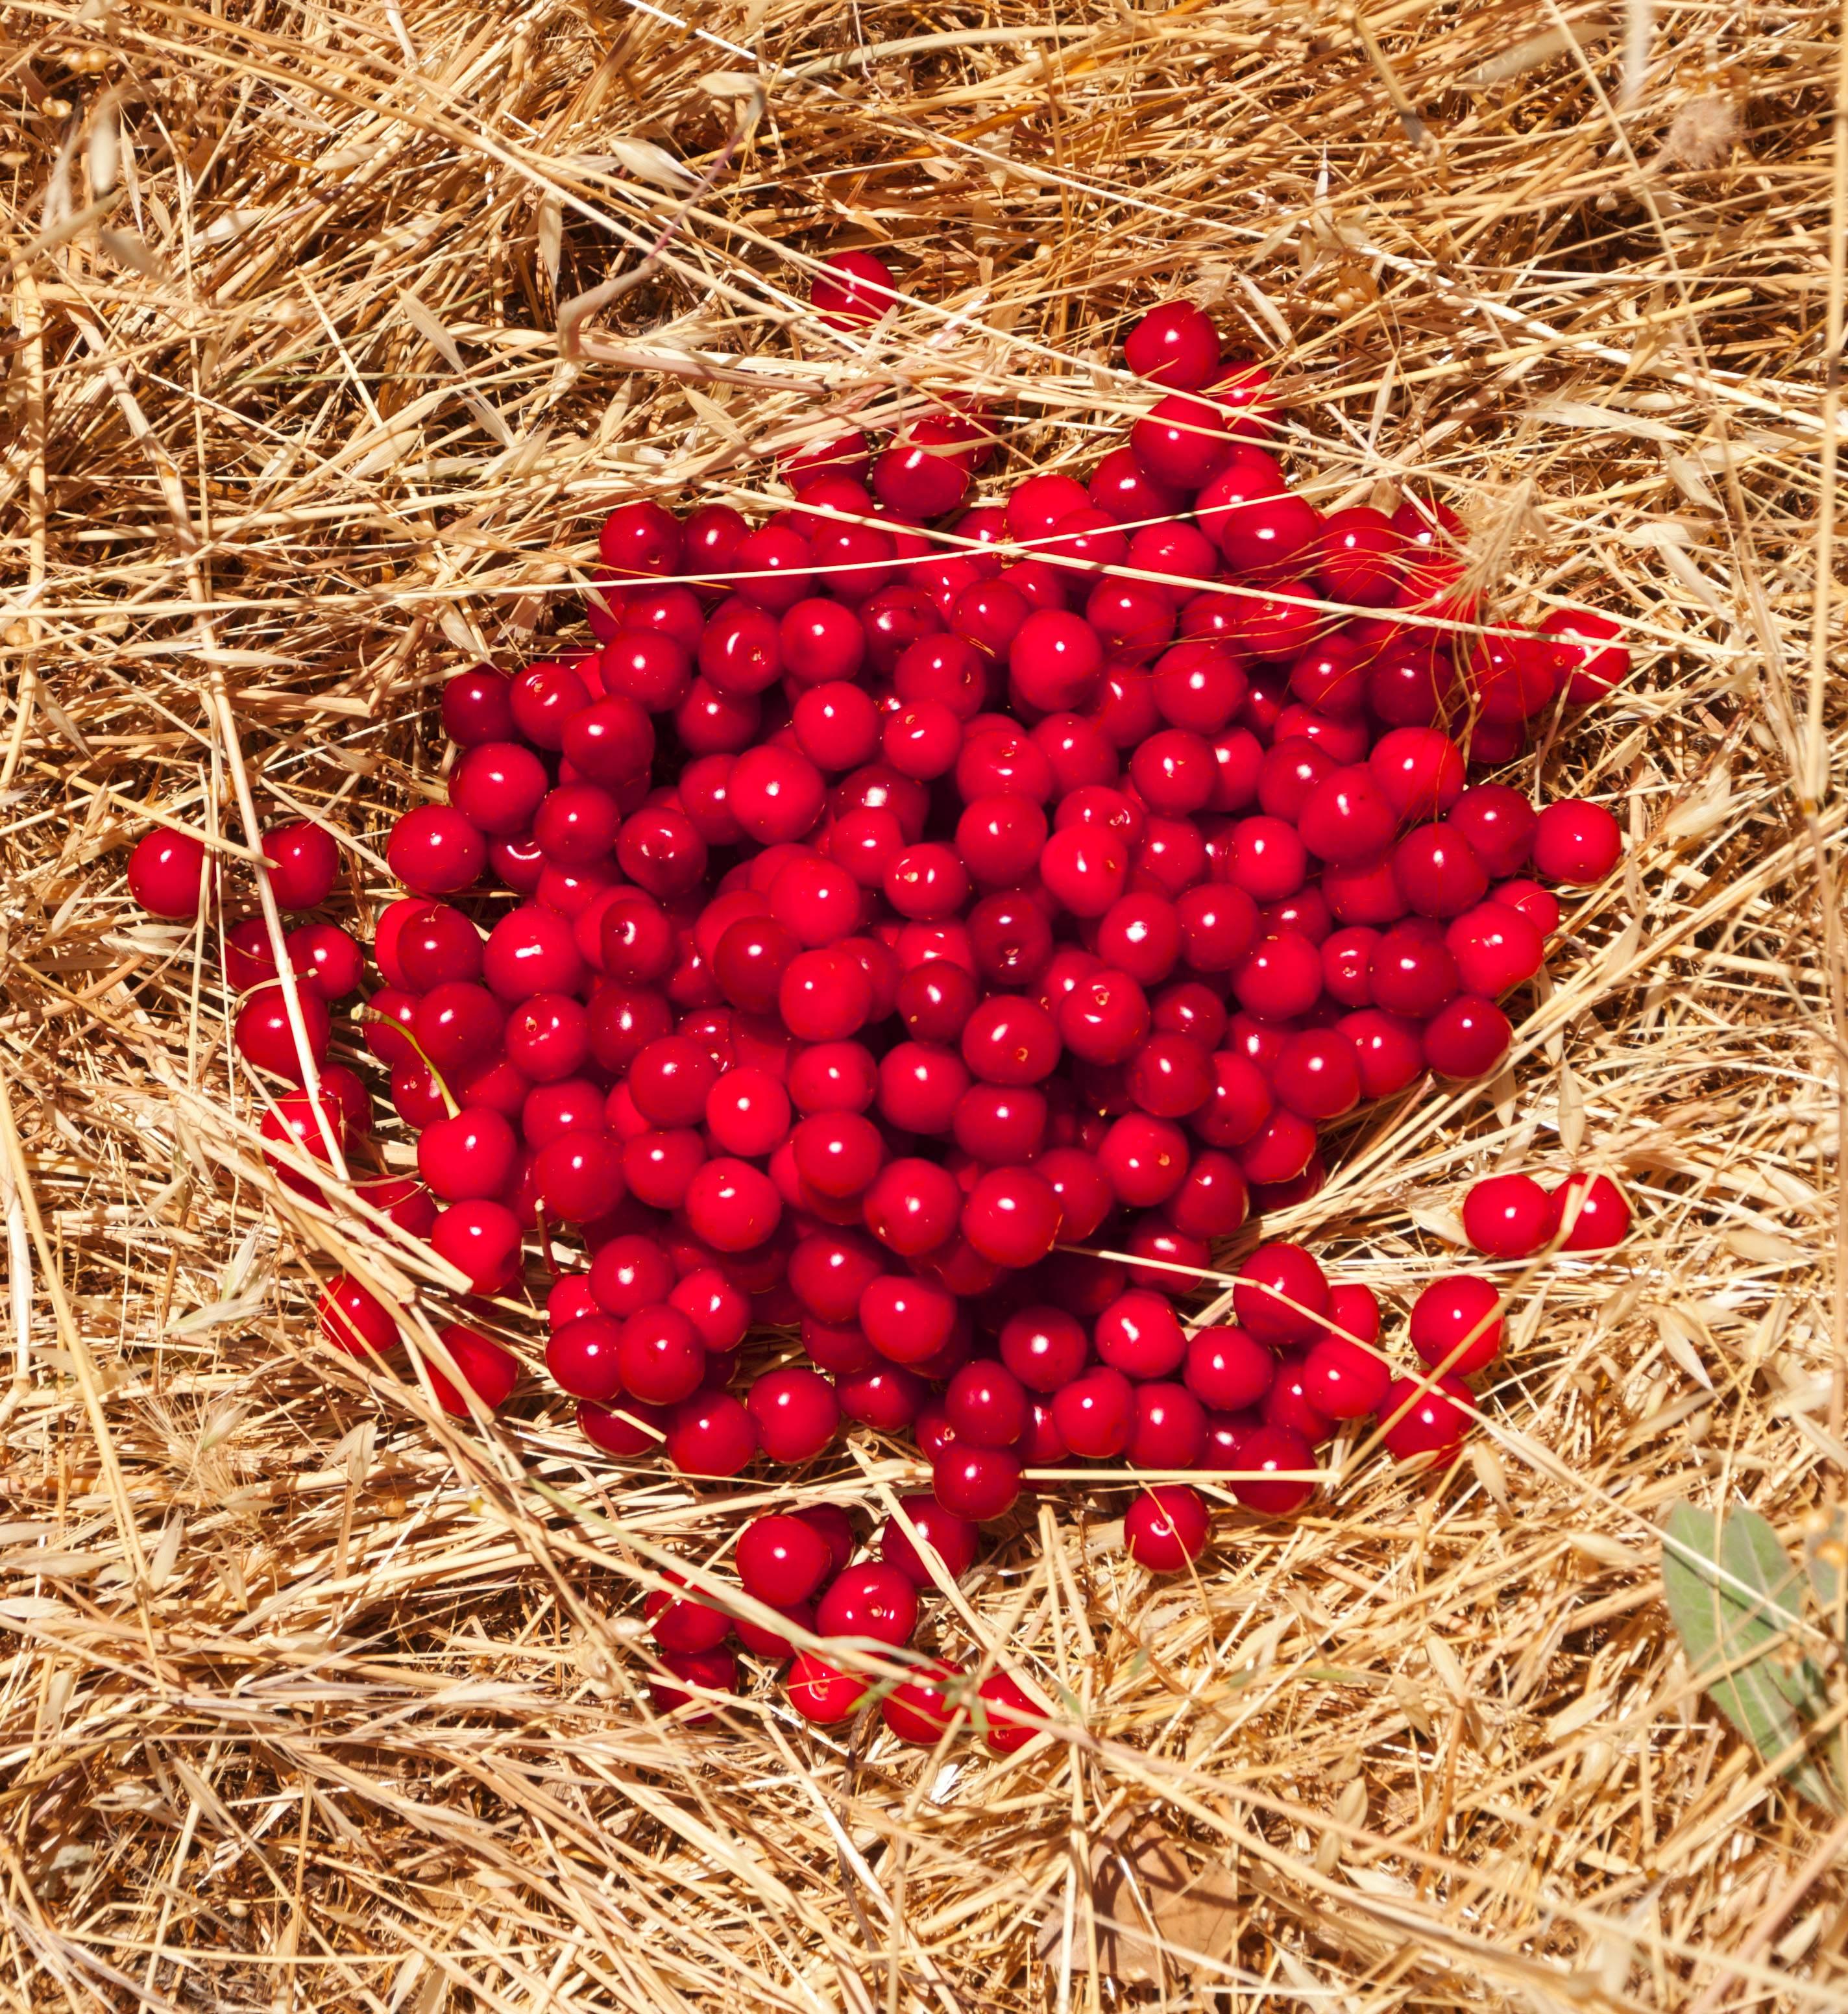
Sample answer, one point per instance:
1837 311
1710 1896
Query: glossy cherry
1166 1527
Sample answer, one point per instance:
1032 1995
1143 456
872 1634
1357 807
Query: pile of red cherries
930 931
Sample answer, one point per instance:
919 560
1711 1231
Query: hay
311 1698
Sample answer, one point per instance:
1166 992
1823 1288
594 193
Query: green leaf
1736 1600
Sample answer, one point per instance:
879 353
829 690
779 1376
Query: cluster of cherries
934 941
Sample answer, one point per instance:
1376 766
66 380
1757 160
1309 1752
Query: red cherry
610 741
986 1405
977 1483
1456 1324
954 1540
481 1241
1045 1348
653 671
1577 843
1509 679
796 1412
476 707
907 1320
1495 947
871 1600
823 1695
1409 686
1145 1159
719 1311
853 288
576 825
1347 965
772 568
548 1038
830 1270
1170 1076
249 961
1227 1369
1591 1212
402 1199
579 1176
1418 771
1166 1527
923 473
570 1299
1141 1335
1346 817
166 875
490 1372
471 1155
661 849
1281 1295
544 697
1358 558
1365 894
1009 1040
302 860
1387 1050
1174 344
1281 976
732 1206
1083 1190
1009 1717
923 1708
1499 824
1288 1404
659 1356
1170 1428
1181 441
582 1357
353 1319
435 851
629 1273
1587 647
627 1431
1123 490
825 995
1095 1413
1431 1421
1268 860
1508 1217
1355 1311
1438 870
264 1037
684 1622
913 1206
531 950
836 724
325 958
498 786
1467 1037
1238 1104
999 1125
1012 1216
887 1398
1342 1379
1277 1455
1104 1018
711 1434
782 1560
1412 973
640 538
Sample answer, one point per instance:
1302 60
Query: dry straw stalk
312 1699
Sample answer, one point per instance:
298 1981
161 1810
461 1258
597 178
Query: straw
314 1697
